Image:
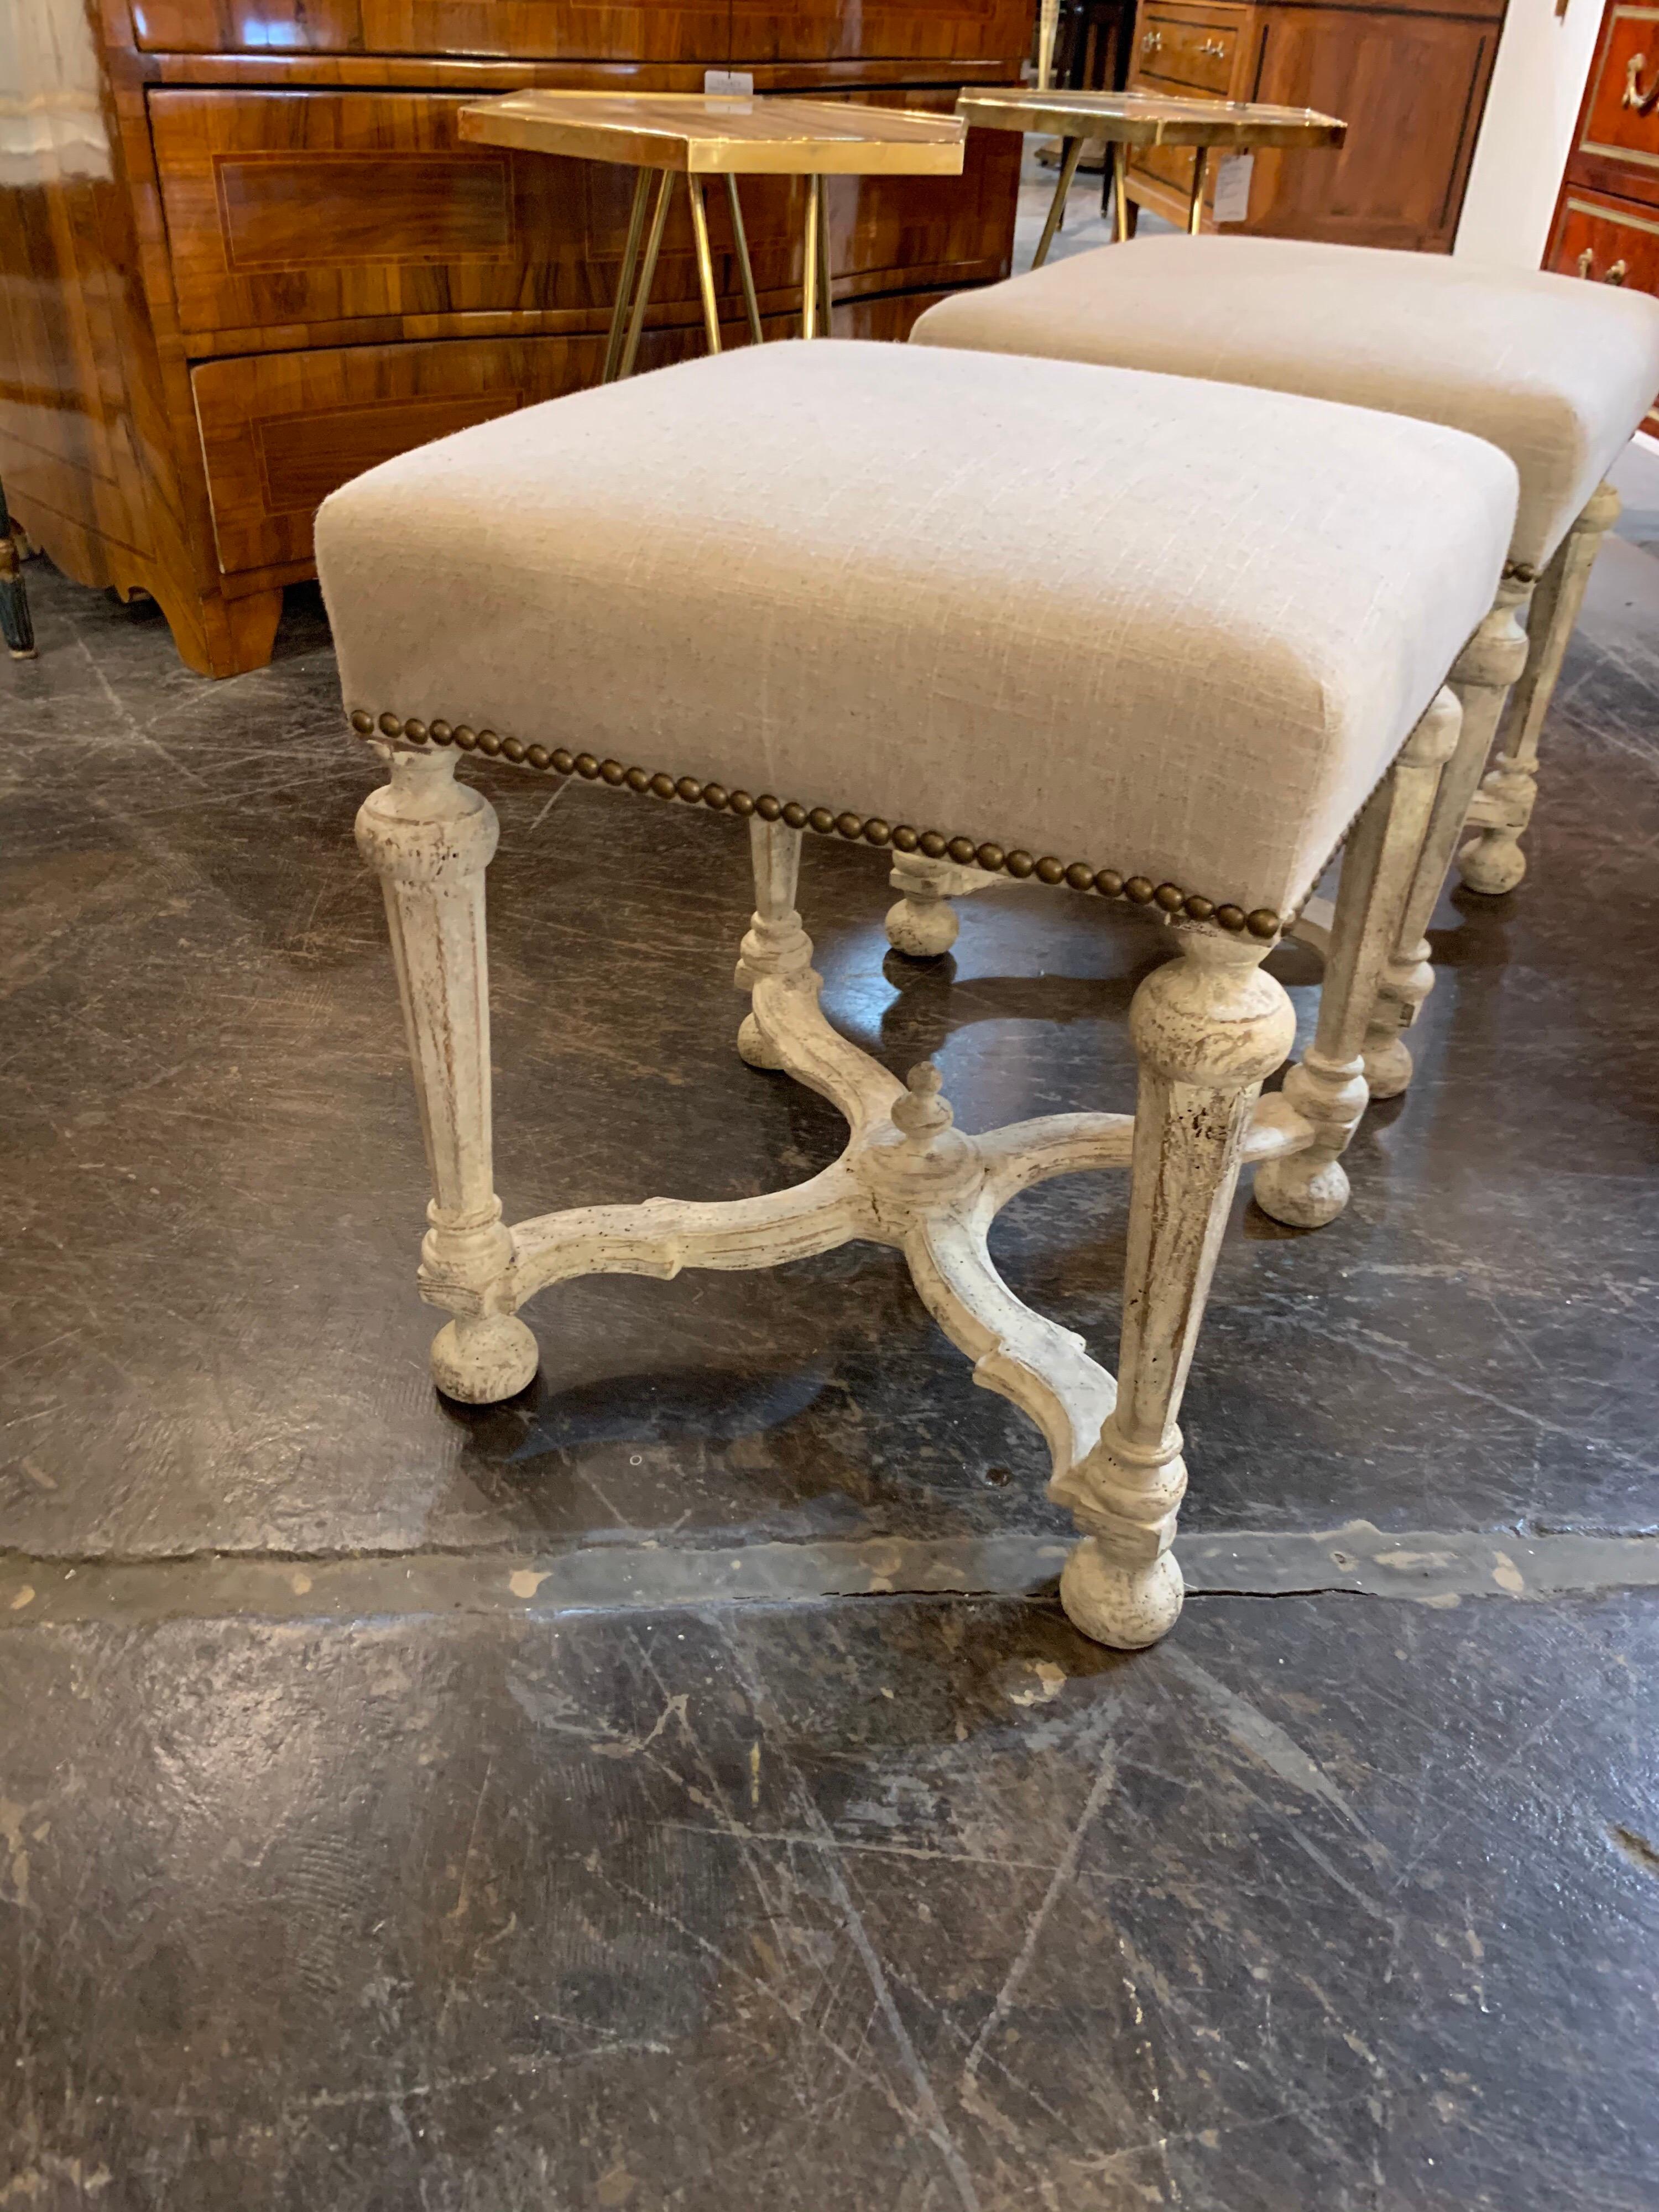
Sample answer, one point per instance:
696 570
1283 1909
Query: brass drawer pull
1616 275
1643 102
1152 43
1215 49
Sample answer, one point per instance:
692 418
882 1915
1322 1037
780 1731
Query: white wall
1527 131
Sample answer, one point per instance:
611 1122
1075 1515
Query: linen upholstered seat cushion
1171 628
1557 372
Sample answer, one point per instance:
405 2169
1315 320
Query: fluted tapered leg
1208 1027
429 839
776 943
1328 1086
1493 862
1480 678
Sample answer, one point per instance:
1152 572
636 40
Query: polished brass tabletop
1143 119
710 134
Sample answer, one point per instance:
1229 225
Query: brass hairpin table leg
1069 159
647 272
711 305
1120 191
826 297
1195 205
745 267
809 266
625 275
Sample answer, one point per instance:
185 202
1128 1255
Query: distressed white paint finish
1328 1086
922 924
1481 678
429 839
1208 1026
1493 862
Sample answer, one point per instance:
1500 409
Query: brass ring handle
1643 102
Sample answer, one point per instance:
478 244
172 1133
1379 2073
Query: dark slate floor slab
215 1188
905 1903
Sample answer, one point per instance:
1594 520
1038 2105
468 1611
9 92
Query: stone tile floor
473 1894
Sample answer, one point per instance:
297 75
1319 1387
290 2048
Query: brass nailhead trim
869 830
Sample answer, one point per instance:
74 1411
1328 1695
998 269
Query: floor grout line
1434 1567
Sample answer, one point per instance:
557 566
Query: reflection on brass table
701 135
1139 118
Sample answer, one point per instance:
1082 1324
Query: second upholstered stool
1557 372
1130 636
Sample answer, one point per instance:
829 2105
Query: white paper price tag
1233 188
729 84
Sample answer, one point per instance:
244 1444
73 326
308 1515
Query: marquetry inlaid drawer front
1627 68
281 431
1194 50
1606 243
694 32
288 210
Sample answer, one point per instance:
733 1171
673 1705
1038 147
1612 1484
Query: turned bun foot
1388 1069
1491 868
923 931
753 1047
1126 1607
1300 1196
481 1362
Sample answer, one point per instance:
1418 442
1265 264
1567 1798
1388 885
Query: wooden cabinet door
1411 87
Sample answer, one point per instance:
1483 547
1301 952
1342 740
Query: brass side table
1140 118
698 135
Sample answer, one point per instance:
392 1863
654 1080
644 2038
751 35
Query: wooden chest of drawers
1606 220
243 257
1410 80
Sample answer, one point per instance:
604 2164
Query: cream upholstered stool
842 588
1557 372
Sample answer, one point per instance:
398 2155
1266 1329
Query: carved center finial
922 1113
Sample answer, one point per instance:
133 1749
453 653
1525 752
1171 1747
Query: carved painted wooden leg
1481 676
429 839
923 924
1328 1086
1493 862
776 943
1208 1027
